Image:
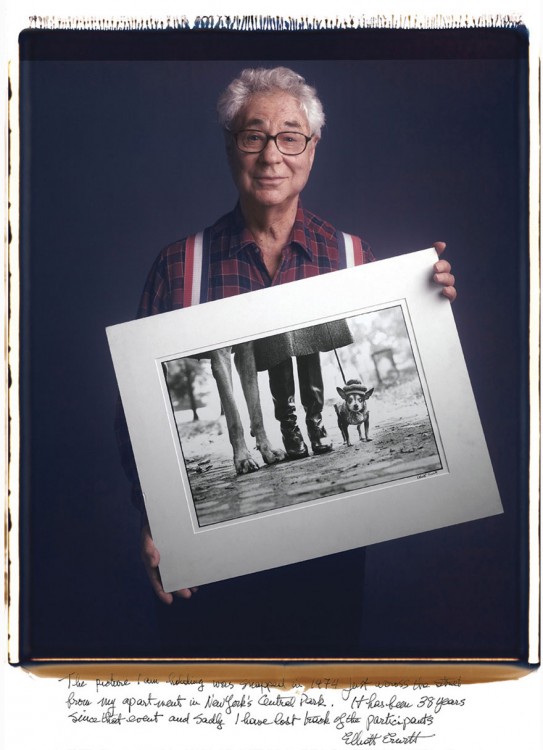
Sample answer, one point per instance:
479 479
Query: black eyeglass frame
271 138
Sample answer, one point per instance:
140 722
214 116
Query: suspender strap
196 276
350 250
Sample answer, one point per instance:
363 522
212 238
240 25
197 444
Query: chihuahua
353 409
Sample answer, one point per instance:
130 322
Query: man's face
270 178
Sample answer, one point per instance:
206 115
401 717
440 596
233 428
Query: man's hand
151 559
442 274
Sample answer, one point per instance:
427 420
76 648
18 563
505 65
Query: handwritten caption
362 714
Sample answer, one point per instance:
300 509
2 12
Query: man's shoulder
323 227
173 248
318 225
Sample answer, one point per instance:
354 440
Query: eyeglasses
287 142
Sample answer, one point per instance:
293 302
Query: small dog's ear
368 393
341 393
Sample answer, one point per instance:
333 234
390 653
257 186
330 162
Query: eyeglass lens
254 141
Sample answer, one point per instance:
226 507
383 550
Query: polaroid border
192 556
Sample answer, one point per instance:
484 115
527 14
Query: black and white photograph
352 368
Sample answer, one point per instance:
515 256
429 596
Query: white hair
265 80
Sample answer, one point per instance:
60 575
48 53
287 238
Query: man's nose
270 152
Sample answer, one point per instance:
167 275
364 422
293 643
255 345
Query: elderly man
272 123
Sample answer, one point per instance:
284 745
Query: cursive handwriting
390 713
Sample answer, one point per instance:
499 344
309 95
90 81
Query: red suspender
350 248
192 289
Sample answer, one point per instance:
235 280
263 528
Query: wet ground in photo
402 445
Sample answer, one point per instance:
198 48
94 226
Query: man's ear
313 146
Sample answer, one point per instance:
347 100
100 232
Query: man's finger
442 266
445 279
449 292
184 593
157 586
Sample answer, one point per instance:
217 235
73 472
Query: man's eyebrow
292 123
254 121
286 123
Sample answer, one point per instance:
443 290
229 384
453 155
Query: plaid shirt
236 266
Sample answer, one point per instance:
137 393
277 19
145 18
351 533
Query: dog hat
354 386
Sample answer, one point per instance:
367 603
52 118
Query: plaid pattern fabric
235 267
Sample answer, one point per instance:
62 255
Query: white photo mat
461 488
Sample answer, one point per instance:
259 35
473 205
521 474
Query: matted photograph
376 413
394 464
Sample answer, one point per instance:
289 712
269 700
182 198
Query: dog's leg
340 424
221 366
367 428
245 362
344 427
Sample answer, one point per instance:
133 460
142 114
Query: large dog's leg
221 367
245 362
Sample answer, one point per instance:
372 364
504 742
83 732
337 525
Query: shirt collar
241 237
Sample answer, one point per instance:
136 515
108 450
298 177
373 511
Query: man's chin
270 198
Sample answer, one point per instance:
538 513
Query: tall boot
282 391
312 397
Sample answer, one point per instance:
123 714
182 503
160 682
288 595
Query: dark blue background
425 140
